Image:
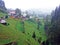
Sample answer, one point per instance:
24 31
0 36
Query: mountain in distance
39 12
2 6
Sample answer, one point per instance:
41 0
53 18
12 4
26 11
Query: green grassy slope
13 33
32 27
2 14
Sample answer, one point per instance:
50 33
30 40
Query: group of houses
12 14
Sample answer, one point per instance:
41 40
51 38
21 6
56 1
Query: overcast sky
36 4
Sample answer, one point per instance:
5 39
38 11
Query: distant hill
2 6
3 10
38 12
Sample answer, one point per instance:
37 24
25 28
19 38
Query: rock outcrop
2 6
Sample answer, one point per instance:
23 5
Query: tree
18 12
47 24
54 30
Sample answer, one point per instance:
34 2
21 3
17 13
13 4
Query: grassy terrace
13 32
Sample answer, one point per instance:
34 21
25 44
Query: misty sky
36 4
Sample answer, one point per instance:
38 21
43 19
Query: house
11 12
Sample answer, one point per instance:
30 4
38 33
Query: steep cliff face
2 5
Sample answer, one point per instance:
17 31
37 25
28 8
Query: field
13 32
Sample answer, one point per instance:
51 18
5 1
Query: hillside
13 32
2 14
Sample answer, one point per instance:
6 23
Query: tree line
52 27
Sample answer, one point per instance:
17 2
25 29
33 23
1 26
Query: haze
36 4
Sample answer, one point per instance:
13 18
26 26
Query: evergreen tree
54 29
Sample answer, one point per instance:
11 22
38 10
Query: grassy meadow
13 32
